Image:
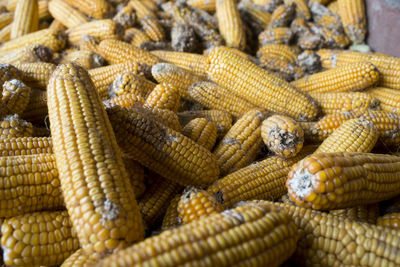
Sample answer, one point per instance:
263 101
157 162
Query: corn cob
126 100
343 179
270 238
13 126
334 7
66 14
162 149
347 101
171 218
365 213
156 199
230 24
355 135
282 135
20 146
164 96
5 33
136 176
222 119
9 72
301 8
36 110
193 62
26 18
43 9
353 15
282 15
334 39
5 19
327 240
135 37
86 59
388 66
284 52
78 259
391 220
278 35
104 76
51 38
178 77
240 145
57 25
40 238
240 76
31 184
202 131
97 168
196 203
28 54
206 5
152 28
126 17
388 98
141 9
99 29
97 9
130 83
260 180
352 77
36 75
15 97
256 12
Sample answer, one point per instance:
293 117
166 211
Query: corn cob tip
301 181
44 53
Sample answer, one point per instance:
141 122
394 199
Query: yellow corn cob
15 97
20 146
206 5
26 18
352 77
343 179
126 17
130 83
39 238
257 12
391 220
43 9
282 135
57 25
37 74
104 76
222 119
164 96
240 145
327 240
126 100
135 37
28 54
162 149
13 126
354 19
36 111
365 213
282 15
5 19
136 176
51 38
258 86
289 71
196 203
346 101
9 72
214 96
388 66
334 7
141 9
152 28
66 14
278 35
86 59
93 178
78 259
164 116
178 77
156 199
202 131
301 8
388 98
99 29
284 52
5 33
261 180
29 183
97 9
355 135
248 235
193 62
171 218
230 24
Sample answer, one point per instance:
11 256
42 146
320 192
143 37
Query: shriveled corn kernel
14 126
354 19
301 8
9 72
282 15
26 18
19 146
66 14
78 259
391 220
136 176
278 35
15 97
36 75
202 131
364 213
126 17
164 96
257 12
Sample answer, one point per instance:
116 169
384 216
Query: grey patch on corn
230 141
301 182
231 214
110 212
219 197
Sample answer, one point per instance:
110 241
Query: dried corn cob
193 62
269 5
40 238
206 5
13 126
66 14
126 17
9 72
5 19
354 19
230 24
156 199
334 38
355 135
164 96
388 66
161 149
282 15
86 59
346 101
126 100
341 180
391 220
96 168
196 203
240 145
260 180
31 183
388 98
256 12
20 146
141 9
97 9
279 35
290 71
135 37
5 33
240 75
365 213
51 38
130 83
152 28
57 25
37 74
352 77
282 135
178 77
15 97
136 176
301 8
36 110
171 218
283 52
78 259
202 131
28 54
163 116
26 18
